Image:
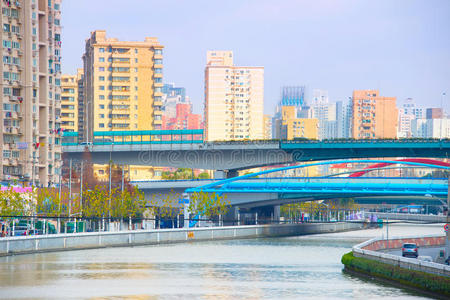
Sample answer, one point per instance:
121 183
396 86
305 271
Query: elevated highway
235 156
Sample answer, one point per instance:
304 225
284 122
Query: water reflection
294 267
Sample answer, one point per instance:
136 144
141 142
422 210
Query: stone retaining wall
58 242
368 250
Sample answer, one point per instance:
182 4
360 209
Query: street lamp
110 172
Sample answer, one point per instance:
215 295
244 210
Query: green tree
13 203
208 204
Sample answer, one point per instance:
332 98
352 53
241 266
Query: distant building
69 102
234 99
169 90
184 118
343 120
435 113
430 128
293 96
293 127
267 123
373 116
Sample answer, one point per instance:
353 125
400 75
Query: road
423 251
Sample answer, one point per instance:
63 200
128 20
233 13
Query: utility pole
81 190
109 200
70 188
59 205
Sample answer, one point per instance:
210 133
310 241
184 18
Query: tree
208 204
13 203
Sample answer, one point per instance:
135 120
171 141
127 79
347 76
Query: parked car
20 230
410 249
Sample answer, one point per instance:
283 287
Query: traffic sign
446 227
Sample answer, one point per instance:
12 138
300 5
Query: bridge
234 156
256 192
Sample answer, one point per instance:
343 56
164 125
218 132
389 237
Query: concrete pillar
276 213
186 215
231 218
232 173
219 174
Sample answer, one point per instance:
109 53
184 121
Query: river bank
78 241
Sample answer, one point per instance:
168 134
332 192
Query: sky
401 47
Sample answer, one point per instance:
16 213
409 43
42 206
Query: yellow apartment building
294 127
373 116
234 99
123 87
123 84
69 102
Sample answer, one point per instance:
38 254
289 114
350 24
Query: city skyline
341 47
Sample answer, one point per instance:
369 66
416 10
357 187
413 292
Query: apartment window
136 60
101 59
101 116
101 87
6 28
6 44
136 51
158 61
101 78
101 69
101 125
101 50
101 97
101 106
158 52
158 71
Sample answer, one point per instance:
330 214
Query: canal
291 267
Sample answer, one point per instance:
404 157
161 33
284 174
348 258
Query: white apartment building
30 132
234 99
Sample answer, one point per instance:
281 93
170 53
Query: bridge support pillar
232 173
219 174
276 213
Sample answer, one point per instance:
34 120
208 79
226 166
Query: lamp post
110 172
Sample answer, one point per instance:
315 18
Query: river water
291 267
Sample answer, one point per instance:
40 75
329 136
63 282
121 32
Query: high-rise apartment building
30 73
69 103
122 84
234 99
373 116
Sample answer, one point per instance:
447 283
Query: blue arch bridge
260 190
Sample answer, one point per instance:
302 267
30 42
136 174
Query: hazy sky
400 47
